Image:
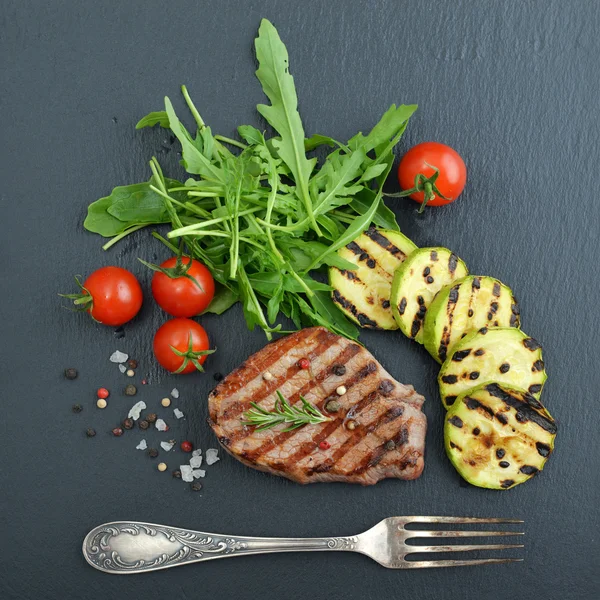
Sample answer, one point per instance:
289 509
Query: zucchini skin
465 306
364 293
502 354
497 436
417 281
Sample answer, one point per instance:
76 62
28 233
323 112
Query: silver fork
125 547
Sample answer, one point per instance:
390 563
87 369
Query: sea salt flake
166 446
161 425
197 452
122 368
196 462
178 414
136 410
186 473
142 445
118 357
212 456
198 473
175 393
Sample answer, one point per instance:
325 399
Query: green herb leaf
159 117
383 217
223 299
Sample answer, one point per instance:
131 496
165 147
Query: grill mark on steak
347 354
256 454
373 459
267 388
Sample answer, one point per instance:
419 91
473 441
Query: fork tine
423 564
443 534
458 520
463 548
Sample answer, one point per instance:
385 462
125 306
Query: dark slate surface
513 86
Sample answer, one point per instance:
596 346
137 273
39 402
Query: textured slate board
513 86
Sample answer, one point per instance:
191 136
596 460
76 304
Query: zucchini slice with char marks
465 306
364 293
417 281
502 354
497 436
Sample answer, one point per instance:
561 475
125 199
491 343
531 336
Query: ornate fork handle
126 547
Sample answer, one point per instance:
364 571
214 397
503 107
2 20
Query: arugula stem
235 241
168 244
273 182
301 281
193 109
227 140
290 228
203 224
123 234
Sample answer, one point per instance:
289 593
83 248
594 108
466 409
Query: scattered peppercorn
117 432
151 418
166 402
101 403
351 425
304 363
132 363
153 453
144 381
332 406
143 424
177 474
130 373
90 432
196 486
218 377
268 376
391 445
187 446
71 373
161 467
103 393
128 423
338 370
130 390
324 445
340 391
77 408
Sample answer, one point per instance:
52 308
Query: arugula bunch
263 215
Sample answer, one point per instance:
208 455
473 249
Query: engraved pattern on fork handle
124 547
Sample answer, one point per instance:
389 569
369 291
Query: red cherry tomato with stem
181 286
111 295
432 174
181 346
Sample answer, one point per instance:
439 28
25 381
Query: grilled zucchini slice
497 436
502 354
422 275
465 306
364 294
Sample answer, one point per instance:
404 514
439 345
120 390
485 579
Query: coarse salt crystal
186 473
197 452
142 445
161 425
178 414
136 409
212 456
175 393
166 446
196 462
122 368
198 473
118 357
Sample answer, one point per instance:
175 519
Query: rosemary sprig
283 412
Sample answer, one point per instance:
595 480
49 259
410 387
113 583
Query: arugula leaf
99 221
159 117
387 127
223 299
251 134
340 325
283 115
383 217
316 140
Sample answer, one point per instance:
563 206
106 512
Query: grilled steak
377 431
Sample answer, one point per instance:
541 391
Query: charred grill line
360 317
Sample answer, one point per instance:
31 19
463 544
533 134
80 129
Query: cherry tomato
181 346
111 295
181 289
426 160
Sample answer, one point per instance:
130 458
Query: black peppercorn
390 445
132 363
128 423
77 408
196 486
218 377
90 432
338 370
332 406
177 474
130 390
143 424
71 373
117 432
151 418
153 453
